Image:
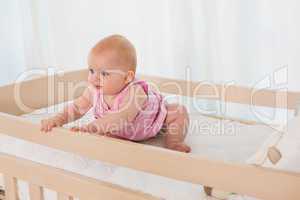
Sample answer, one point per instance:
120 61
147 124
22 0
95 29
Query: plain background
246 42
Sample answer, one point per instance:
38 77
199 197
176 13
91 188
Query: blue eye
91 71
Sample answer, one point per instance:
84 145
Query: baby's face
106 73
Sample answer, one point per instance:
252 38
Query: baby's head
112 64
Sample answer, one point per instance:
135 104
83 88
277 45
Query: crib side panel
67 183
250 180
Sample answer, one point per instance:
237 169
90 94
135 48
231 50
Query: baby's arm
129 108
70 113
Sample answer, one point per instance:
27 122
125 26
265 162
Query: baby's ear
130 76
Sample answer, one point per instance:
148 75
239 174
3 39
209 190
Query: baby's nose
99 79
97 76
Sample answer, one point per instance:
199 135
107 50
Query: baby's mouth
98 87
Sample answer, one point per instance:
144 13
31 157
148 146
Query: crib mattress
213 138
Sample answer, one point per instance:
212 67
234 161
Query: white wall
76 27
294 44
237 40
232 40
12 61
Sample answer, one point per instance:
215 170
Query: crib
29 95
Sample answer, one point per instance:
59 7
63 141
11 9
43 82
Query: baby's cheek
90 78
113 88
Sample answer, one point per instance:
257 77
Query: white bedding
213 138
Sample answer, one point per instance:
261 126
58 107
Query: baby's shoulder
135 93
137 90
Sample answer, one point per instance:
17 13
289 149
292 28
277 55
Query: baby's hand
90 128
93 129
48 124
79 128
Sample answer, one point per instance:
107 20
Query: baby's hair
121 47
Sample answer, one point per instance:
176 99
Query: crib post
36 192
11 189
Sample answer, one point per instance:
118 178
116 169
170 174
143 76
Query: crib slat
11 189
61 196
36 192
66 182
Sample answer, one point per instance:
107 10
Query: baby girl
123 106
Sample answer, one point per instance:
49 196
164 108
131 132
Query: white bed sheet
208 137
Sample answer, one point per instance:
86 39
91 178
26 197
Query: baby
123 106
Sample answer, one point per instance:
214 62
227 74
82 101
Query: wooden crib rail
255 181
67 184
226 92
45 91
29 95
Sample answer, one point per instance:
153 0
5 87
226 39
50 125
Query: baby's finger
49 127
83 129
44 127
74 128
92 128
41 127
52 125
